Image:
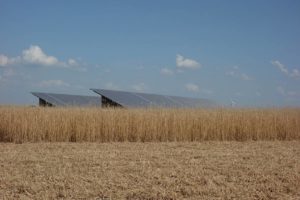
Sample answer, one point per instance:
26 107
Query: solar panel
159 100
137 99
68 100
193 102
125 99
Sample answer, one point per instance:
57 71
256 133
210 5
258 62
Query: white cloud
3 60
140 87
6 61
166 71
35 55
53 83
235 72
192 87
294 73
186 63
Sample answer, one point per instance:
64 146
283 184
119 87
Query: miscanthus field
35 124
94 153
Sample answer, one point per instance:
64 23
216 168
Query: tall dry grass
34 124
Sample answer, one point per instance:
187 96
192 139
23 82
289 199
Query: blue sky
245 51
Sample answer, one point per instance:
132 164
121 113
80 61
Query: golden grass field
35 124
94 153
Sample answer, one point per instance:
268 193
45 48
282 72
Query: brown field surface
173 170
94 153
35 124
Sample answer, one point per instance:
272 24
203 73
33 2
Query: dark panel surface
137 99
68 100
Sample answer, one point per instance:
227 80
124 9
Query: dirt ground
208 170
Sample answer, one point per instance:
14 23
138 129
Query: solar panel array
68 100
136 99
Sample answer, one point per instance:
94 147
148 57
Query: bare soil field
174 170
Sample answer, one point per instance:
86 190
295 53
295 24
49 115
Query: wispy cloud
186 63
53 83
111 86
207 91
235 72
192 87
72 62
245 77
280 66
287 93
140 87
36 56
6 61
295 73
166 71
